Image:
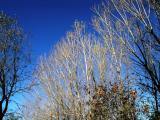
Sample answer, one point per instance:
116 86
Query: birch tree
74 72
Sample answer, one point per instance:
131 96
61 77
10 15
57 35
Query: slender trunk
156 100
1 112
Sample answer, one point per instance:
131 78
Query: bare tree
135 24
12 61
77 65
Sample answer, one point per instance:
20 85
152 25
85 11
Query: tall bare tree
12 61
135 24
71 75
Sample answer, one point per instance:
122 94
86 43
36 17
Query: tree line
111 72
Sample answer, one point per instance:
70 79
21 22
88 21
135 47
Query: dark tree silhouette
12 61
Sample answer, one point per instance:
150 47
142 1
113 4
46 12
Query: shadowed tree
13 61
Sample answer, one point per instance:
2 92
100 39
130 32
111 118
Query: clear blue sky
46 21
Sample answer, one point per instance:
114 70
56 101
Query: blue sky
46 21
